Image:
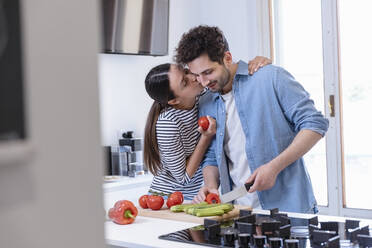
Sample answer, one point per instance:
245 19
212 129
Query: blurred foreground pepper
124 212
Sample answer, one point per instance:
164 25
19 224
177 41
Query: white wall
232 18
124 101
55 200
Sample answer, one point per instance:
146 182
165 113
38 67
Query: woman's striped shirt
177 135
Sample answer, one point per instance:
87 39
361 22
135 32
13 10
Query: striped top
177 135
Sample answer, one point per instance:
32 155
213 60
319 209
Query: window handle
331 105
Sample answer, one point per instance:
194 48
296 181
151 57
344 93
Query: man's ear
173 102
227 59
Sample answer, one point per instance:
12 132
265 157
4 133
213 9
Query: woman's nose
192 78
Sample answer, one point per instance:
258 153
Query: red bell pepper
124 212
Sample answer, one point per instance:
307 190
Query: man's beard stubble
225 79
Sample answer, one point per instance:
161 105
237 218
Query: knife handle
248 185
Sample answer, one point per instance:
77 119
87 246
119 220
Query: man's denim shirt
273 108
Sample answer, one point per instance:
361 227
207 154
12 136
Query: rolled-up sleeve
298 108
210 155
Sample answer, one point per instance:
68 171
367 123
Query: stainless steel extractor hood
135 26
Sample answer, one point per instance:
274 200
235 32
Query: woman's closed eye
189 78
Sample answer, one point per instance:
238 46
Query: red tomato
175 198
179 193
212 198
203 122
143 201
155 202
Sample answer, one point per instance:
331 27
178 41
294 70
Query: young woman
174 145
172 134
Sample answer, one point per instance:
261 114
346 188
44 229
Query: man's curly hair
201 40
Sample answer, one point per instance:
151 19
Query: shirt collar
242 68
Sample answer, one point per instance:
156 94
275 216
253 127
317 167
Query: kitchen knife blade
236 193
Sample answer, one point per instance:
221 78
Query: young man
266 122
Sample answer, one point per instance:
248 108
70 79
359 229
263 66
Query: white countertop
144 233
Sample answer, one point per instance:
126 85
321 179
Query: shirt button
221 134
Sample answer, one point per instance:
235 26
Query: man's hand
257 63
264 178
203 192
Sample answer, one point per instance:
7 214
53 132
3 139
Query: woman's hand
257 63
193 162
211 131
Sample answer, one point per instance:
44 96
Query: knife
236 193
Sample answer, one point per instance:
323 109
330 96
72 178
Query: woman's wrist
206 138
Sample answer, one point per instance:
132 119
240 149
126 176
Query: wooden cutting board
165 213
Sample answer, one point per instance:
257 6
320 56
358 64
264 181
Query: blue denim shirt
272 108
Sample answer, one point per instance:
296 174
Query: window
326 46
355 39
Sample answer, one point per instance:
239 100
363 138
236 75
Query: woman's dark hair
158 88
201 40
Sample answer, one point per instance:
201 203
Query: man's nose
203 80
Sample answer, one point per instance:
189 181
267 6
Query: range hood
135 27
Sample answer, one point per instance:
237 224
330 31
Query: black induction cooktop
275 230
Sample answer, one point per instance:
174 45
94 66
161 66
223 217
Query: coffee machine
126 158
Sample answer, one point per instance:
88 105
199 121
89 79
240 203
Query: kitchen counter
144 232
